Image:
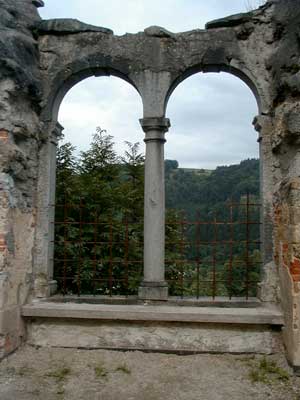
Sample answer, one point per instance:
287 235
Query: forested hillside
207 191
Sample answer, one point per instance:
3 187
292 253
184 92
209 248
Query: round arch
255 90
212 122
247 78
62 83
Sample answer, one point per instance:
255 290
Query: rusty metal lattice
214 255
95 255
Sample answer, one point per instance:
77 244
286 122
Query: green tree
132 187
66 172
99 245
99 169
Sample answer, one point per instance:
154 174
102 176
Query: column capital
155 128
155 124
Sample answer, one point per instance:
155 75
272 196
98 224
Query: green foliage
201 195
99 224
207 193
170 165
99 215
267 371
66 173
100 371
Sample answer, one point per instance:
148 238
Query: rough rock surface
20 128
65 26
69 374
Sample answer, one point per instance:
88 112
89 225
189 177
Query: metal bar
247 246
182 243
110 257
214 257
89 223
239 262
218 242
92 242
113 261
189 247
65 251
95 253
198 253
219 222
126 251
175 223
99 204
80 250
230 275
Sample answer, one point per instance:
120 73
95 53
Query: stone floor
49 374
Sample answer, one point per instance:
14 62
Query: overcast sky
211 114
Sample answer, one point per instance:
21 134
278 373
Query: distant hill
203 190
198 171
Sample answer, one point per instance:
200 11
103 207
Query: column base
153 291
52 287
44 288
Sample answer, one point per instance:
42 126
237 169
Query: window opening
99 194
212 197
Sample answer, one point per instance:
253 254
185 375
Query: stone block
147 336
147 292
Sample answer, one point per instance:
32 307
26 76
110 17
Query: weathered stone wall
41 60
20 95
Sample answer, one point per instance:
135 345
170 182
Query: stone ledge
154 336
263 315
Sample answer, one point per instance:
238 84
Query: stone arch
243 74
76 72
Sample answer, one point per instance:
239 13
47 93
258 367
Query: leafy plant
267 371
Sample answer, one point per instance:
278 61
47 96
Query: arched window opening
212 190
99 190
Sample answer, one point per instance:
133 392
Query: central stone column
154 286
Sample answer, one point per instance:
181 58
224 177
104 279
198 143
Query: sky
211 114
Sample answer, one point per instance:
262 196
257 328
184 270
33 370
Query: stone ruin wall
41 60
20 137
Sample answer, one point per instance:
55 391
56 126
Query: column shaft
154 286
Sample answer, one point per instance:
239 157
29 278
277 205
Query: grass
267 371
100 371
60 374
123 368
